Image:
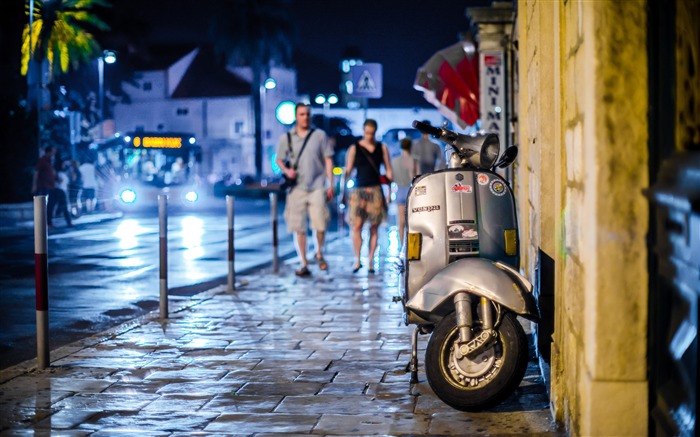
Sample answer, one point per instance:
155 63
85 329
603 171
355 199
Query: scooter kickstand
413 365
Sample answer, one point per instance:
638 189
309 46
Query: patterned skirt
367 204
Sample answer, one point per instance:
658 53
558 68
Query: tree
258 34
58 40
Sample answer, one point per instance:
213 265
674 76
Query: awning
450 81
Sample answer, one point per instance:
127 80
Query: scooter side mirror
508 157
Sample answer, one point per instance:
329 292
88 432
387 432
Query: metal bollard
230 201
275 241
163 233
41 277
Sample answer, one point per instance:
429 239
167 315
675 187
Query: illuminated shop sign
158 142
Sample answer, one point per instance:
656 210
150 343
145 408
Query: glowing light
285 112
270 84
127 139
320 99
337 171
350 184
332 99
191 196
109 56
128 196
192 140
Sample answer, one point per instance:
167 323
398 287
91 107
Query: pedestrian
106 178
366 199
306 157
45 179
75 184
60 193
87 173
428 154
404 168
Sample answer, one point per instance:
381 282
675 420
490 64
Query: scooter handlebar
427 128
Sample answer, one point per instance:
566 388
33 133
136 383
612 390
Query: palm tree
58 40
258 34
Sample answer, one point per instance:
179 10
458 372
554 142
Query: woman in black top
366 199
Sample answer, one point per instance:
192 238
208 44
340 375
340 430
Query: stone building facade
587 155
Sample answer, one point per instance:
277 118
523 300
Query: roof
207 76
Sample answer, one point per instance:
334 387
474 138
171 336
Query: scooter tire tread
503 384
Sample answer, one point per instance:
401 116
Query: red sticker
459 188
483 179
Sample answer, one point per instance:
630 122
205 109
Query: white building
198 95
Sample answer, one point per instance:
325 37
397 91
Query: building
604 103
195 93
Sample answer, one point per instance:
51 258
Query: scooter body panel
477 276
459 214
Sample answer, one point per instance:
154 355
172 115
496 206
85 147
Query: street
104 273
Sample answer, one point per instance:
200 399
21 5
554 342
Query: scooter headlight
489 151
128 196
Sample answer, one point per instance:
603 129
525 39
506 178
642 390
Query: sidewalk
281 355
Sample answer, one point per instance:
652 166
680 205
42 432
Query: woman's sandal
303 272
322 264
357 268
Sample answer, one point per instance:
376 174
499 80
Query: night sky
401 35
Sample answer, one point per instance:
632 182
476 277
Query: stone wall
583 130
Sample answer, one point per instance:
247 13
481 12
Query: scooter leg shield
492 280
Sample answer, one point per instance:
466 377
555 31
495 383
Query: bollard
231 251
163 233
275 242
41 277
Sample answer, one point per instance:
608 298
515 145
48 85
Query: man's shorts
302 204
88 193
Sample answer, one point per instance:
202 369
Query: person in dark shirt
45 179
367 202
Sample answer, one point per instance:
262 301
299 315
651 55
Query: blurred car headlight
191 196
128 196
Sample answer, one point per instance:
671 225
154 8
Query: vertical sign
493 95
367 80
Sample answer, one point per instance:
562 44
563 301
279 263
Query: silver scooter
459 274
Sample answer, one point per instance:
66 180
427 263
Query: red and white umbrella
450 81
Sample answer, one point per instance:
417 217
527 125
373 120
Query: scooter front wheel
478 382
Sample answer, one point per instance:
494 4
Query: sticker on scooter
497 187
426 208
420 190
462 232
483 179
462 189
459 176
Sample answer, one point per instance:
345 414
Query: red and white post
230 202
163 233
41 276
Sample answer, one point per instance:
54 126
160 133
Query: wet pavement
325 355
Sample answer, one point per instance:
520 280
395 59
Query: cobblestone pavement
325 355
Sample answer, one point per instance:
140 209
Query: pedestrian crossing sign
367 80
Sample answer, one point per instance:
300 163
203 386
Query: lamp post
268 85
110 57
321 99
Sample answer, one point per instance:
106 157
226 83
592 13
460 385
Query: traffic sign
367 80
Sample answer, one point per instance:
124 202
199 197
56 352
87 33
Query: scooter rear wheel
484 380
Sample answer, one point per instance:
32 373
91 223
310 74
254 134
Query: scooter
460 281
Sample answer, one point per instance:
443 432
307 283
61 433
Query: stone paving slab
283 355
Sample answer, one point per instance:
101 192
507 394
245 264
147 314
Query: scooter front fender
495 281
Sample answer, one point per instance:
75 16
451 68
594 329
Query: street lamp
110 57
321 99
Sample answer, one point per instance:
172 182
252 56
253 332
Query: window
147 86
182 111
238 127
